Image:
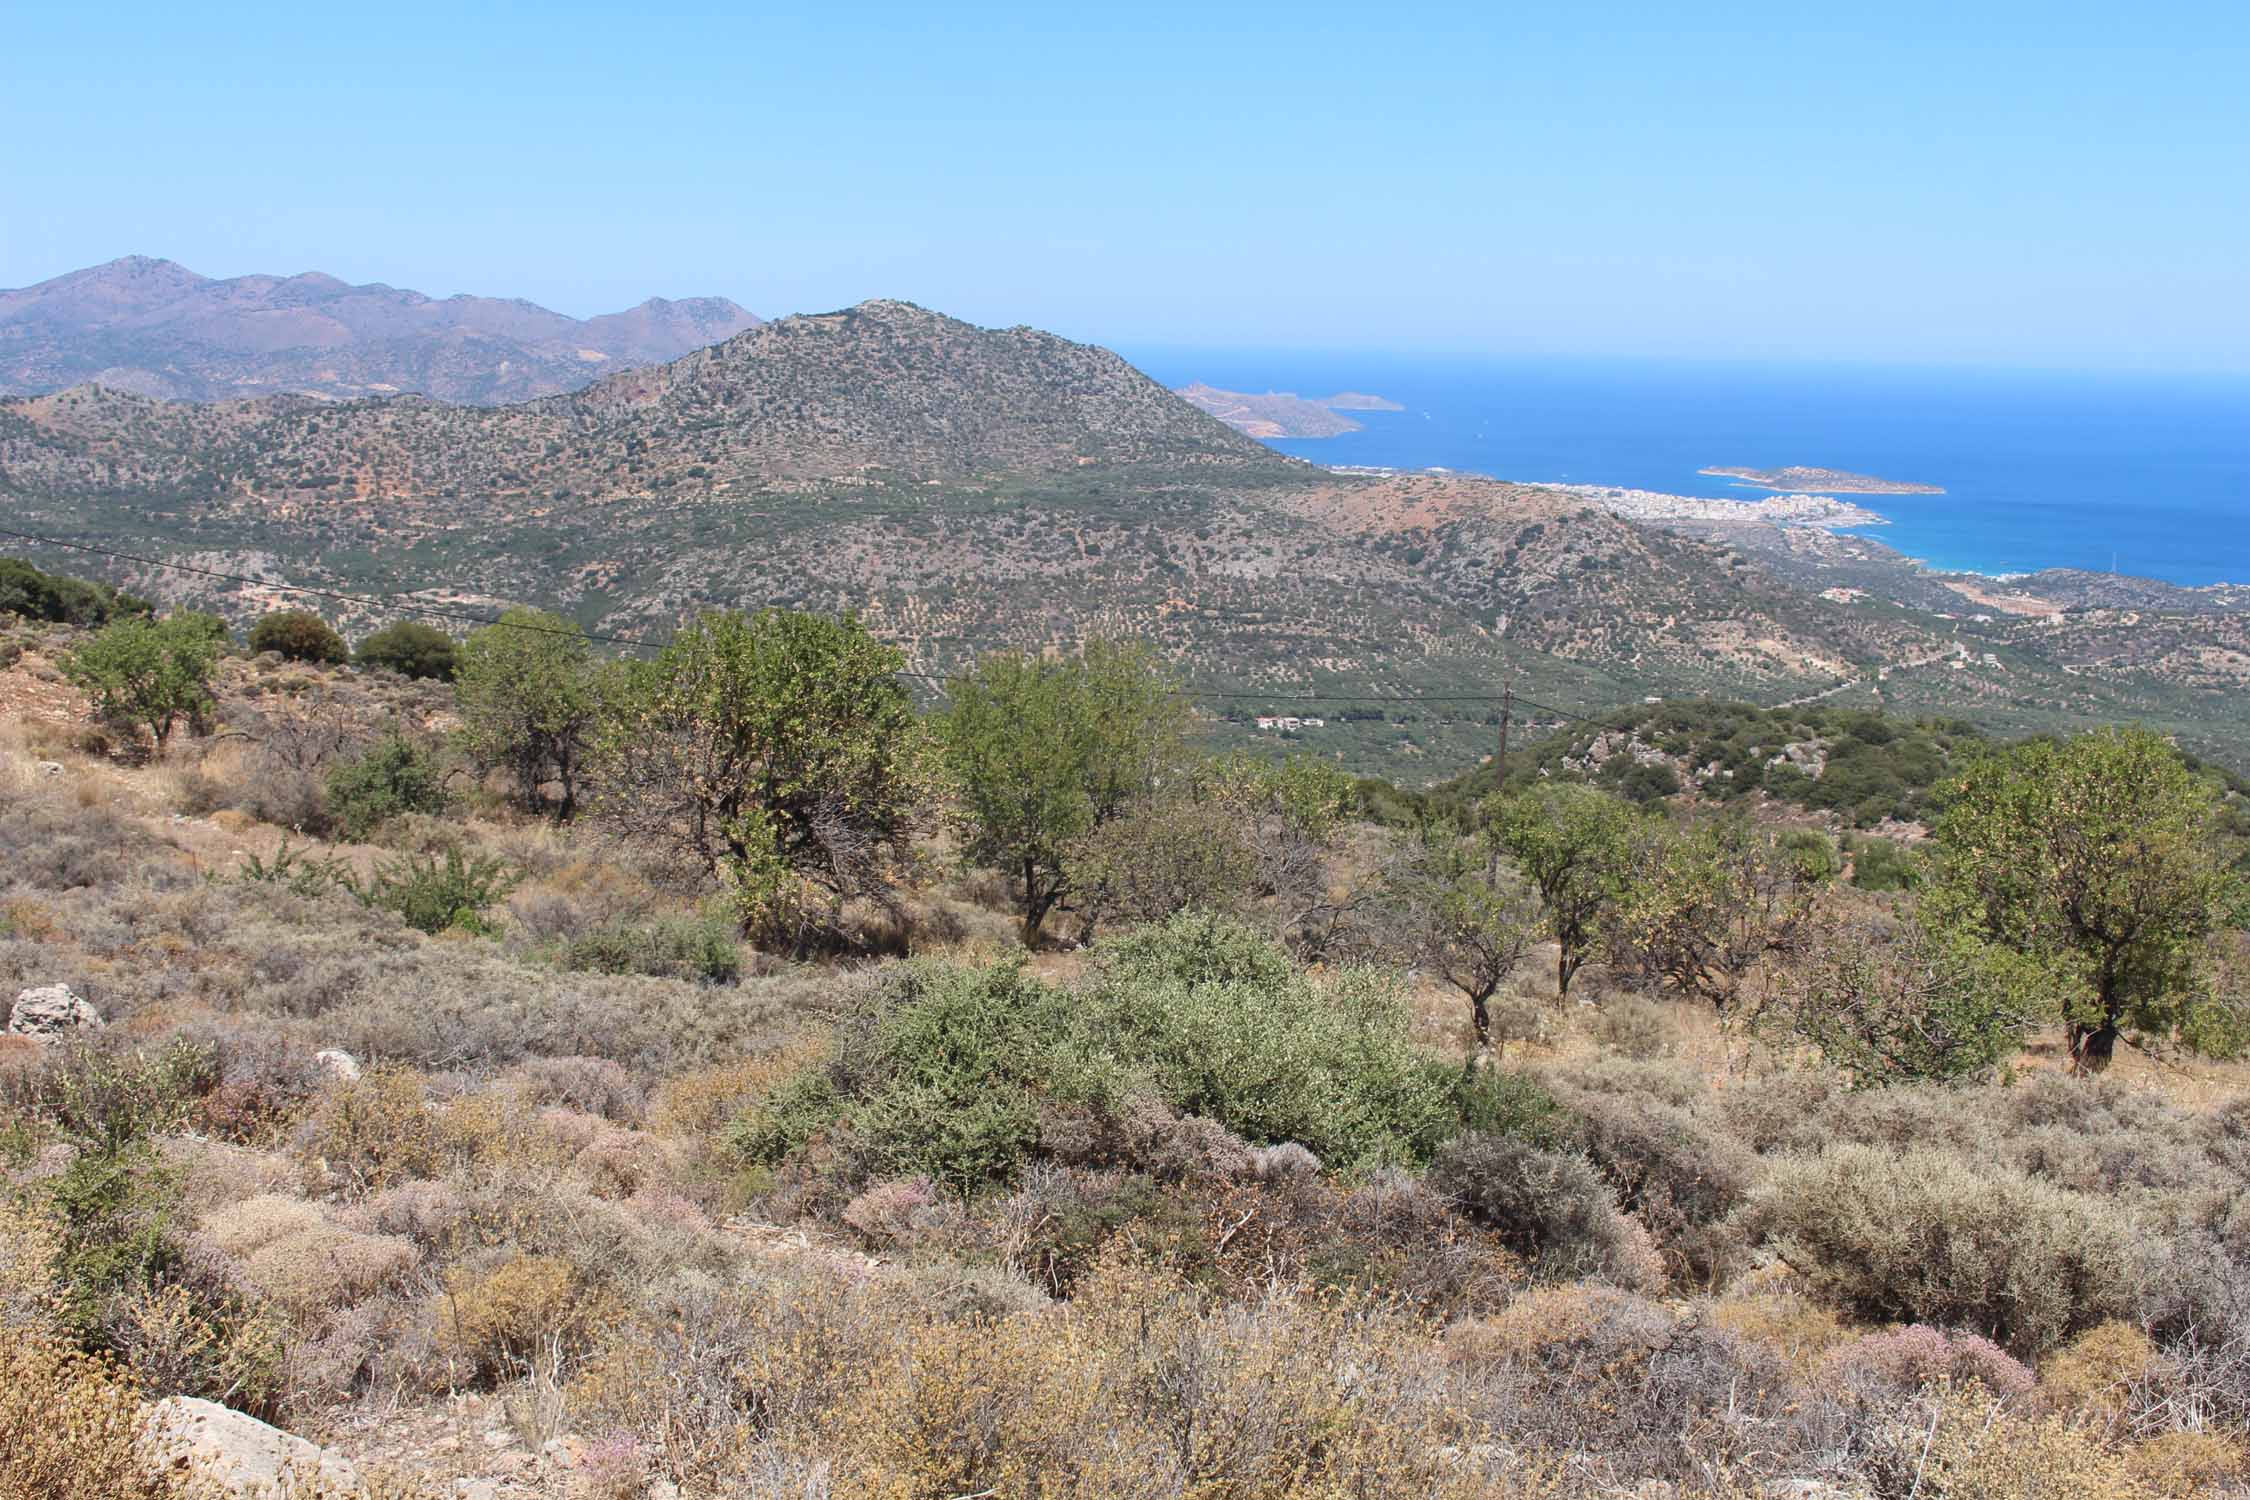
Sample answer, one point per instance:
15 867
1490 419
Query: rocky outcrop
50 1010
241 1455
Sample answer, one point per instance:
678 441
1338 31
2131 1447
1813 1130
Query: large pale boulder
50 1010
240 1454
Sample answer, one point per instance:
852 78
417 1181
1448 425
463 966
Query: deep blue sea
2149 475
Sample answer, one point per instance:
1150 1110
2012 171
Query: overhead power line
410 603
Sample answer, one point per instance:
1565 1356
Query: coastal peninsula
1830 481
1284 414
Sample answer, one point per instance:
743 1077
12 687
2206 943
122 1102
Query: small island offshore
1283 414
1832 481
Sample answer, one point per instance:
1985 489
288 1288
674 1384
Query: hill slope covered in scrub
967 488
512 1191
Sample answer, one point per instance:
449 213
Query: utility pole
1507 710
1499 779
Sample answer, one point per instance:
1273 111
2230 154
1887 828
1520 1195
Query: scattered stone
242 1455
1808 756
337 1063
50 768
49 1010
1799 1488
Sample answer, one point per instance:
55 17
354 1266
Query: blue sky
1984 181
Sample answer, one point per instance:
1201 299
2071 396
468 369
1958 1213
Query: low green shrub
394 777
949 1071
1550 1207
1884 865
432 894
1926 1236
705 946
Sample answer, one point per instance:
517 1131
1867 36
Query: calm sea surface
2149 474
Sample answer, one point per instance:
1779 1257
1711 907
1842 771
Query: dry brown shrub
70 1425
2182 1465
296 1255
1139 1388
432 1215
709 1372
208 1175
497 1128
1963 1443
1792 1326
28 1284
698 1102
883 1216
611 1161
186 1340
593 1085
1542 1320
2092 1378
374 1132
1933 1237
528 1310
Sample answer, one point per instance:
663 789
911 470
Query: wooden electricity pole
1507 710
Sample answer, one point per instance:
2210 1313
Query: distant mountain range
155 328
968 488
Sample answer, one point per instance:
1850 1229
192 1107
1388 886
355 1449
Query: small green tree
1894 1002
1289 813
1043 752
1462 914
300 635
1575 844
214 626
1710 904
526 689
2103 858
779 752
1164 855
411 649
394 776
147 673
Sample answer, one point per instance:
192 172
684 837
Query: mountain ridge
156 328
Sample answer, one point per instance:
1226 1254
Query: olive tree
1042 752
780 753
2103 859
1894 1001
1710 904
526 690
1575 845
147 673
1456 910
